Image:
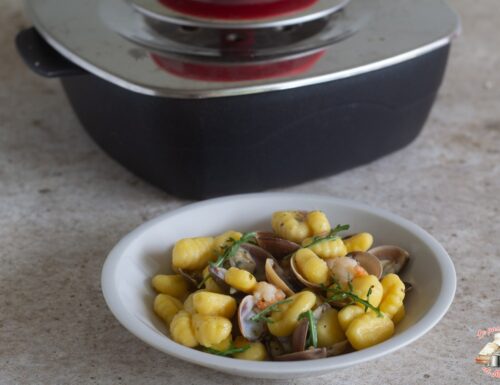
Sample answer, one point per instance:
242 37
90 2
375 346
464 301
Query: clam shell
369 262
218 274
276 276
337 348
251 330
259 256
276 246
393 258
309 354
299 336
193 279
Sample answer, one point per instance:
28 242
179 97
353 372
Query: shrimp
266 294
344 269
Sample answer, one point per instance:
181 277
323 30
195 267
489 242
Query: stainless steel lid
150 49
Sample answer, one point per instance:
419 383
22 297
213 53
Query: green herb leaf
339 294
229 252
312 335
368 296
274 307
332 235
228 352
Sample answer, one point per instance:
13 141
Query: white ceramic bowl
146 251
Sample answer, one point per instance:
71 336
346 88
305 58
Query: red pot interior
238 10
234 73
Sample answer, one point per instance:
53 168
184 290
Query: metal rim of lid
154 9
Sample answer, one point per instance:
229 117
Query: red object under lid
238 9
218 72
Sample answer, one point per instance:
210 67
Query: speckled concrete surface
64 204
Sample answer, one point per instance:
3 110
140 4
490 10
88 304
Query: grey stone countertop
64 204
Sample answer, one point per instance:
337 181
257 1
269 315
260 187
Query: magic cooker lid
149 48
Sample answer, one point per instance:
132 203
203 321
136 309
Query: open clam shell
369 262
193 278
257 254
251 330
299 336
392 258
309 354
277 276
336 349
218 274
276 246
274 347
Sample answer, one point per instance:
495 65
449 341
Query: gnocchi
229 295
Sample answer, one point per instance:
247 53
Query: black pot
200 148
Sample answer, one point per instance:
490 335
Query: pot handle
41 58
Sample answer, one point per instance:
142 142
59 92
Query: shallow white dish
146 251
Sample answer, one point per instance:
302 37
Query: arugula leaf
339 294
274 307
229 252
312 335
332 235
228 352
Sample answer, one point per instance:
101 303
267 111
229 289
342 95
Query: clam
392 258
251 258
309 354
318 312
274 347
337 348
369 262
193 279
299 336
218 274
276 246
244 260
277 276
251 330
299 342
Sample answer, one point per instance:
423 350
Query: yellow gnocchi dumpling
347 314
256 352
400 314
172 284
394 294
240 279
369 329
193 253
182 330
358 242
363 285
326 249
285 319
166 307
214 304
224 344
211 330
329 330
188 302
224 240
298 225
311 267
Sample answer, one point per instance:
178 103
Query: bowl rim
269 368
